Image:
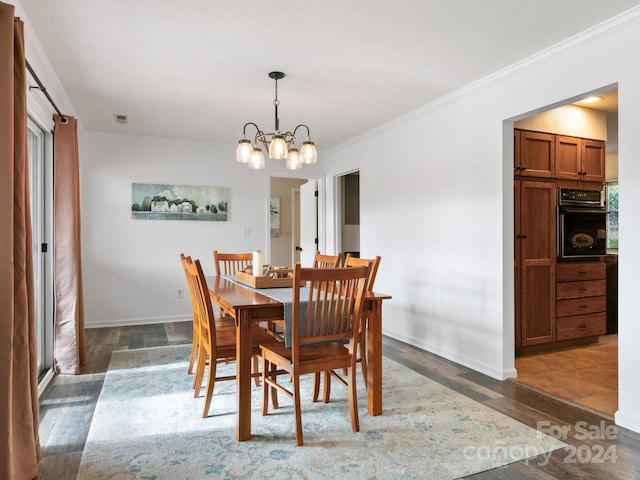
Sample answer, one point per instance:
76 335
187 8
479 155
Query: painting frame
156 201
274 216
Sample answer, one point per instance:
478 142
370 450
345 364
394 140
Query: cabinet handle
582 326
582 307
582 273
582 289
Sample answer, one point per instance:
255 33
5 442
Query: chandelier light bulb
308 153
244 150
278 147
293 159
257 158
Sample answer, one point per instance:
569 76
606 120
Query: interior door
308 222
295 222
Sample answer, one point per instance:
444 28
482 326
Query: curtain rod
42 88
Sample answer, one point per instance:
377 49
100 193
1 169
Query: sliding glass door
40 194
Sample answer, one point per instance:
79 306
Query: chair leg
316 387
256 367
296 408
274 391
197 381
192 357
194 348
211 382
265 387
353 400
327 386
363 356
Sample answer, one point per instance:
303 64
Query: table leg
374 358
243 375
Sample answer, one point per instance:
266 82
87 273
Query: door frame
337 209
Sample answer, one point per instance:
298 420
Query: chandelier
279 145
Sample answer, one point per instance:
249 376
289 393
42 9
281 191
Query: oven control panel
586 198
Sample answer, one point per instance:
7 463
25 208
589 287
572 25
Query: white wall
570 120
441 216
131 268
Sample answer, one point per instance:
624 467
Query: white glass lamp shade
244 150
277 147
308 153
257 159
293 159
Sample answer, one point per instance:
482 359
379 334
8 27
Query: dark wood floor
68 403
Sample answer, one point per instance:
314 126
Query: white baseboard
126 322
627 421
454 357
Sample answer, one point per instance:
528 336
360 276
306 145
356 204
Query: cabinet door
517 271
537 263
516 152
568 157
593 160
537 155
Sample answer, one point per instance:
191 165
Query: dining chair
215 344
225 321
230 263
361 344
318 328
321 260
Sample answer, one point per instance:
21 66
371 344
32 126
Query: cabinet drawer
590 288
581 306
572 272
581 326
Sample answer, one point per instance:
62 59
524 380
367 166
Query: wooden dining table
248 306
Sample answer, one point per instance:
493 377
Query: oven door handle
582 210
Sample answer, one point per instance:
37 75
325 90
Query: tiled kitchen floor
586 375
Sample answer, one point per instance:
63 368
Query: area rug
147 425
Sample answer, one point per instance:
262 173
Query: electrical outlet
180 293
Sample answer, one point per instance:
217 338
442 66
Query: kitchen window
611 190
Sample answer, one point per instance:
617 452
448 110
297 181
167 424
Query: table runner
283 295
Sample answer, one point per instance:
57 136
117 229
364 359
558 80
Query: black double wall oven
582 224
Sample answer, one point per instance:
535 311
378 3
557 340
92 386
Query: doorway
284 220
348 209
583 374
39 146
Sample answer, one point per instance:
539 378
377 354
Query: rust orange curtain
68 349
19 442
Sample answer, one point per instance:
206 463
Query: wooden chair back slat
230 263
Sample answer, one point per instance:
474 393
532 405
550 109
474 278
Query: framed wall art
178 202
274 210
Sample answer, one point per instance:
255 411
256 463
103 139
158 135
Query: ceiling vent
121 118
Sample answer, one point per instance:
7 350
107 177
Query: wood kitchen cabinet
534 154
579 159
535 262
581 300
546 155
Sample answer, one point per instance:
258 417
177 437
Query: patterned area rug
147 425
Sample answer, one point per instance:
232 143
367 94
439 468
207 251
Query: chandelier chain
275 100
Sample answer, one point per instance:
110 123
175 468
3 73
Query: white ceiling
198 68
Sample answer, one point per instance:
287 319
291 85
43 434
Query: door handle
298 249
